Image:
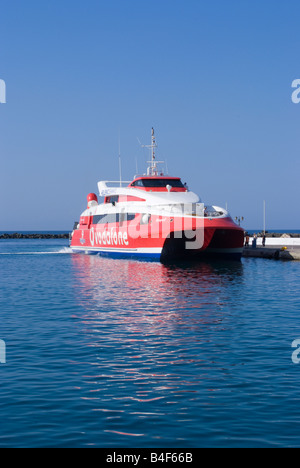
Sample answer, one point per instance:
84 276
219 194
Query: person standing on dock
254 242
264 240
247 240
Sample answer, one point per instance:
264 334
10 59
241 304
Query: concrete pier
274 253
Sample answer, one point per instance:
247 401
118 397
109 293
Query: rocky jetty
17 235
282 236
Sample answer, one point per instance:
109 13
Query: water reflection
144 286
151 331
150 298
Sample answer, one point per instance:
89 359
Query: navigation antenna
120 161
152 169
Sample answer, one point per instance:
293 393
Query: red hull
162 238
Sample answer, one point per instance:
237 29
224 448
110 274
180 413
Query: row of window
157 183
113 218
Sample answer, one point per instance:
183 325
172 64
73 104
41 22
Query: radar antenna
152 169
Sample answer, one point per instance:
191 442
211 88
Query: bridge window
157 183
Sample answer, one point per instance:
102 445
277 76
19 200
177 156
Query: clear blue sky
213 78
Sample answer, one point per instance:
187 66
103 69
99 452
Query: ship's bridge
159 184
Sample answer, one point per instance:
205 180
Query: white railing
278 241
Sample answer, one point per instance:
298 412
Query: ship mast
154 146
152 169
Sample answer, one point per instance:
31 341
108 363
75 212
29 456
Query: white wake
64 251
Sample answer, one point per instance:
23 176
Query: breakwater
280 235
18 235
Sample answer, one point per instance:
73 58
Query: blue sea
115 353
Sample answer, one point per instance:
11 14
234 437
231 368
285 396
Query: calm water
112 353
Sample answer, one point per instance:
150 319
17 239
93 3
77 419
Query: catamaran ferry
155 216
